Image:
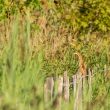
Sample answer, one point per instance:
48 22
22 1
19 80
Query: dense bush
86 15
82 15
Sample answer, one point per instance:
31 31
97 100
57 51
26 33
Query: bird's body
82 66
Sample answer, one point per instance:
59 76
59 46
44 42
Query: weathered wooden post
66 86
60 85
58 99
84 90
74 84
78 98
90 84
48 89
90 75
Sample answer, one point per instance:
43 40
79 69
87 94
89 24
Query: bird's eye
56 2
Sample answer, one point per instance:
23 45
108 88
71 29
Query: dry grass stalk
106 73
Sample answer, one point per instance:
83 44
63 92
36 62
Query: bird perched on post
82 65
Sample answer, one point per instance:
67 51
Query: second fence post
66 86
48 89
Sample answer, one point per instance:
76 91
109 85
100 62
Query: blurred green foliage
86 15
82 15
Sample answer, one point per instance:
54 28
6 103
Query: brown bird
82 66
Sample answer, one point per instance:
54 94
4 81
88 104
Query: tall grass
21 81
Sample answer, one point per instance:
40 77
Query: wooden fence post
84 91
78 98
48 89
66 86
90 84
74 84
60 85
58 99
